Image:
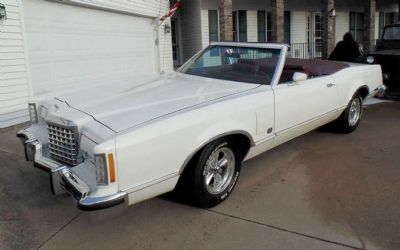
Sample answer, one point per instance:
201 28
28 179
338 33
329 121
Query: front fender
216 132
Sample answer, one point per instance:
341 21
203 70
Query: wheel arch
244 141
360 87
364 91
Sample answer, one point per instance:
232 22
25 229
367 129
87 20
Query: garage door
70 45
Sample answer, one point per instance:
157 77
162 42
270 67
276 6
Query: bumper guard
63 179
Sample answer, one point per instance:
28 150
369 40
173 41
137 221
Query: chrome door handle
330 85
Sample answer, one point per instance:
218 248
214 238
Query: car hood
124 105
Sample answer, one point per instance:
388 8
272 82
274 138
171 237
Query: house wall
14 86
205 35
299 12
377 25
252 33
298 27
342 25
50 69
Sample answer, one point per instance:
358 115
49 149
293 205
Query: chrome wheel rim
219 170
354 112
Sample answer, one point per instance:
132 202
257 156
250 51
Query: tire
351 116
210 183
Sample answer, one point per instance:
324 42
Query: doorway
315 34
175 37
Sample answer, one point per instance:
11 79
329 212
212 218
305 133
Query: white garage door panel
76 45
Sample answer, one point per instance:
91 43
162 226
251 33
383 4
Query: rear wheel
351 116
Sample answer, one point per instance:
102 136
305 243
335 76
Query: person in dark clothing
346 50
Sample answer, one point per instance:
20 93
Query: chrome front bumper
63 179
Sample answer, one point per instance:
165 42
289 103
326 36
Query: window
357 26
287 27
392 33
240 64
387 18
264 26
318 32
261 26
213 25
239 25
390 18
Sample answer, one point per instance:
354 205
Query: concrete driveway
320 191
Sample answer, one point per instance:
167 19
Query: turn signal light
111 167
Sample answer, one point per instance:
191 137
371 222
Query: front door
315 34
175 42
301 107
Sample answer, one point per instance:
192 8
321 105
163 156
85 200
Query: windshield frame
388 27
279 66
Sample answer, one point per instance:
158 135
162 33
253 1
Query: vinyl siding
252 34
342 25
15 79
14 88
205 34
377 25
148 8
298 27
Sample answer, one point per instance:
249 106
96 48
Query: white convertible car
124 143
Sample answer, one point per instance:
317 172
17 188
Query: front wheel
216 173
351 116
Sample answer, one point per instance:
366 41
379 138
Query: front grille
63 144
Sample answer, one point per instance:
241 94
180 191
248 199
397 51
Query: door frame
311 37
178 36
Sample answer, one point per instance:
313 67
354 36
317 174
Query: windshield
392 33
241 64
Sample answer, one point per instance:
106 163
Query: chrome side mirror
299 77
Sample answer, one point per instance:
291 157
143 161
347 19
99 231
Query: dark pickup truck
387 54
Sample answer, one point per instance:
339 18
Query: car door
303 106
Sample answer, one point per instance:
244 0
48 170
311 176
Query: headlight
100 163
370 59
33 113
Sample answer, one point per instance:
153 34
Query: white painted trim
26 52
101 5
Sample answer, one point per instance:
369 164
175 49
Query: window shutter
261 26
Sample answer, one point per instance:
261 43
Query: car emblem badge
56 107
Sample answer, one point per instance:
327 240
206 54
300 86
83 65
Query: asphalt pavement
320 191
